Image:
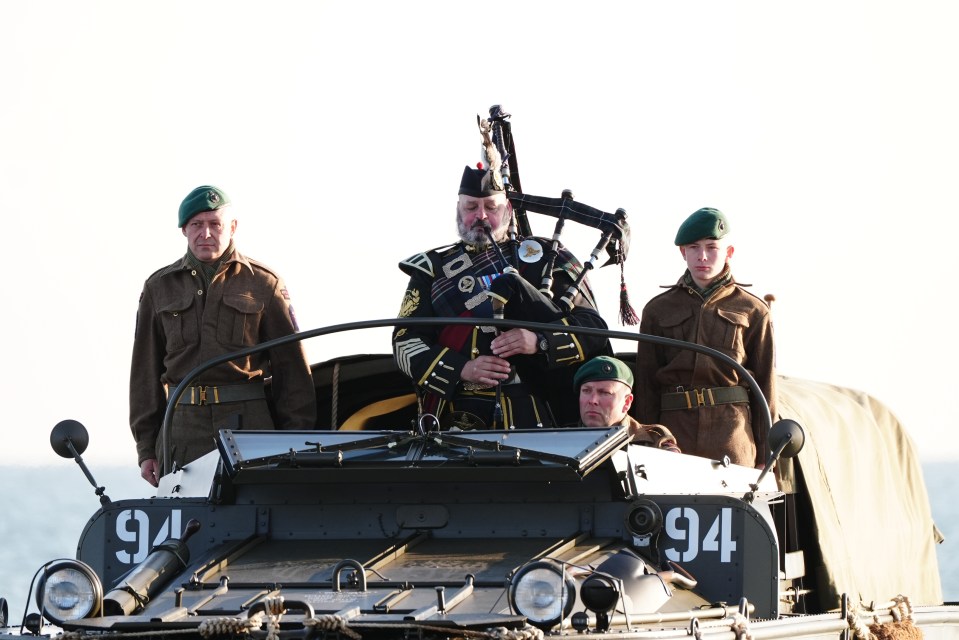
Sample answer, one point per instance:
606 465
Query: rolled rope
332 622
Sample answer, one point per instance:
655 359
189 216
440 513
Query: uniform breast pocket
733 326
179 323
239 320
677 324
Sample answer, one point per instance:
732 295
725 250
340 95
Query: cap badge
467 283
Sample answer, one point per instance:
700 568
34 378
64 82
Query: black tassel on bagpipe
627 315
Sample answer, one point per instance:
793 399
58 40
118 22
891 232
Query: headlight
600 594
69 590
543 592
624 575
644 518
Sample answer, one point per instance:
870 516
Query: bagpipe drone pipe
500 155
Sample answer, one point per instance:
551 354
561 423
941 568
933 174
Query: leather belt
508 390
479 386
219 394
708 397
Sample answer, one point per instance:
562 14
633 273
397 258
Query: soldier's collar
724 278
236 256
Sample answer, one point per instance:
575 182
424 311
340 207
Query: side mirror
786 439
69 439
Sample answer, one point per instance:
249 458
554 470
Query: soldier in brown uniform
210 302
702 401
604 386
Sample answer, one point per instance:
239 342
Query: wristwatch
542 343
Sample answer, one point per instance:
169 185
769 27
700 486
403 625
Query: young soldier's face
706 259
603 403
208 234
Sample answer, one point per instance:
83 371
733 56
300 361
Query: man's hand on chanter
488 370
514 342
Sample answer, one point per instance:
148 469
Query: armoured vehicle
376 525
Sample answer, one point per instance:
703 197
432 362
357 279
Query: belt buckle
476 386
208 395
700 398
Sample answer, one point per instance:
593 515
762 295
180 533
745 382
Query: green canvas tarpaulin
870 510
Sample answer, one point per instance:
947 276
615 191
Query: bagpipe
499 149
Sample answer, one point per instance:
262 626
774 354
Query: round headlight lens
69 590
599 593
543 593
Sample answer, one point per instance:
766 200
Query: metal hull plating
350 531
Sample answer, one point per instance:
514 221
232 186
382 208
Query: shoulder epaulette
260 265
742 287
422 261
667 288
162 271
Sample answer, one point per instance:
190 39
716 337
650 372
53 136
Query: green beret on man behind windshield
205 198
604 368
704 223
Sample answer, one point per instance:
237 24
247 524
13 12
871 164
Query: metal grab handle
288 606
356 566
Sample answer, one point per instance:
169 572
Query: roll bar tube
439 322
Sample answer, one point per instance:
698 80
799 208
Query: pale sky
826 131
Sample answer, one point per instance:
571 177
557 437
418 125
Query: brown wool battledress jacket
648 435
733 321
180 325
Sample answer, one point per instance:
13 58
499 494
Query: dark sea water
45 509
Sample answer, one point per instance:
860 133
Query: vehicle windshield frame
765 420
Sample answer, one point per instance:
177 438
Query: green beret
705 223
603 368
205 198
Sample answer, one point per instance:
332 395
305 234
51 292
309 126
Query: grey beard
476 235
